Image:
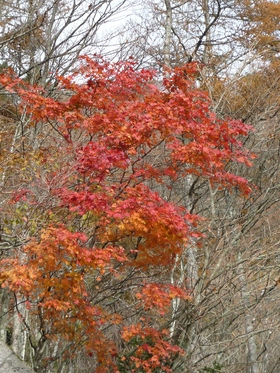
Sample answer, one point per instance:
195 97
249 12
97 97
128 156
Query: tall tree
96 277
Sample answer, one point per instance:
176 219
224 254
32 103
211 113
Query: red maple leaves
125 138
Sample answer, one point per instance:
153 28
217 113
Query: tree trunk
4 301
252 355
168 30
19 337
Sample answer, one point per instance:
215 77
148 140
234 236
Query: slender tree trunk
179 267
252 355
4 301
207 46
168 32
19 338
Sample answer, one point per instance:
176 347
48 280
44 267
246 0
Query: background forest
130 239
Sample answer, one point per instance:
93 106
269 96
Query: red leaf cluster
126 135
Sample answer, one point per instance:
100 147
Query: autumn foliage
118 141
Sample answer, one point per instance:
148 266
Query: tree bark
168 34
252 354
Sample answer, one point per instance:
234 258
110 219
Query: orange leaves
59 248
52 276
151 350
159 296
16 276
161 225
53 271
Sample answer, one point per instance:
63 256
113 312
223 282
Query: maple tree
124 139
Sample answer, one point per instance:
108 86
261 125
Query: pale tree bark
4 317
19 337
207 44
168 34
252 354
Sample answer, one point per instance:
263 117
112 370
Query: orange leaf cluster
159 296
151 349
